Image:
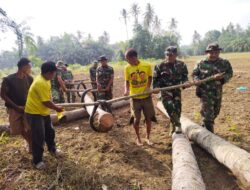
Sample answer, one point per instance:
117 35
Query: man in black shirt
14 92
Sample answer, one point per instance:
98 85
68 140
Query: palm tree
6 21
125 17
28 38
135 11
173 25
157 25
196 38
104 39
148 16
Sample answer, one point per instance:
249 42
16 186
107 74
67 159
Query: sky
54 17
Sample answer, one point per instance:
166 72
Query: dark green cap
102 58
171 50
213 47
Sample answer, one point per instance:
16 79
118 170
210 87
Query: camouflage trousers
105 95
172 103
210 108
71 96
57 96
94 85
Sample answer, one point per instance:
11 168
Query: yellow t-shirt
137 76
39 92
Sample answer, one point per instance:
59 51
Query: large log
71 115
103 120
233 157
186 173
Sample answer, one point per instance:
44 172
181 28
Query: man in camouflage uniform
57 84
210 93
104 79
92 74
168 73
68 77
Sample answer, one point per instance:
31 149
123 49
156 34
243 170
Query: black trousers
42 131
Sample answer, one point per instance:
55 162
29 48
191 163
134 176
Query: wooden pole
186 173
144 93
82 90
87 81
233 157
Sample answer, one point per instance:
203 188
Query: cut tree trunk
233 157
186 173
71 115
103 120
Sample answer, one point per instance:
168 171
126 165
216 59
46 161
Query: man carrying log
68 77
168 73
92 74
104 79
14 91
210 93
58 85
37 109
138 78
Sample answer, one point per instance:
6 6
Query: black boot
210 127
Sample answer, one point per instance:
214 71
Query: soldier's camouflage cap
171 50
213 47
102 58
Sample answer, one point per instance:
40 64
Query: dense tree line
233 38
148 37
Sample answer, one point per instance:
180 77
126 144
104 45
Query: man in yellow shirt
138 78
37 109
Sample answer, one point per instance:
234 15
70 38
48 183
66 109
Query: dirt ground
98 160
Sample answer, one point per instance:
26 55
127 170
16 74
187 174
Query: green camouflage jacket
169 74
206 68
104 74
92 73
67 75
54 82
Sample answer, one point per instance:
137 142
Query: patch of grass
236 136
4 138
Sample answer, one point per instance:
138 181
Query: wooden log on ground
233 157
186 173
71 115
103 120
